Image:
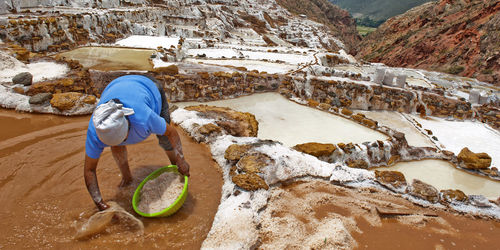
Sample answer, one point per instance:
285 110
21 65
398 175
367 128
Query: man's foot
125 182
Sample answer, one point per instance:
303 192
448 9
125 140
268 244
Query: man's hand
183 167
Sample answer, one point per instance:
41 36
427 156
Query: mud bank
45 200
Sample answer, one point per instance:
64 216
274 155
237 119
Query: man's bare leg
120 156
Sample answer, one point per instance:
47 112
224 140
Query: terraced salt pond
443 175
291 123
107 58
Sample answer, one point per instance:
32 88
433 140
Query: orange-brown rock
393 159
312 103
250 181
90 99
457 37
209 128
450 195
233 122
346 111
18 90
357 118
65 101
424 191
169 70
470 160
316 149
252 163
369 123
236 151
357 164
391 178
324 106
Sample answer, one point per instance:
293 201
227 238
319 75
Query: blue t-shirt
142 95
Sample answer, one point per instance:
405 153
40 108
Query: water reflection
443 175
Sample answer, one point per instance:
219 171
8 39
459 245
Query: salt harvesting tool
171 209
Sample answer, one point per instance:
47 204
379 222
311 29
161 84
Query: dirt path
44 198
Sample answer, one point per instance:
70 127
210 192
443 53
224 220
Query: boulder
316 149
253 163
470 160
233 122
424 191
169 70
90 99
40 98
249 182
236 151
209 128
24 78
391 179
479 201
346 112
357 164
453 196
65 101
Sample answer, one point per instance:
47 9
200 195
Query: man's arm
175 141
89 173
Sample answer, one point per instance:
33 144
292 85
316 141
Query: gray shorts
162 139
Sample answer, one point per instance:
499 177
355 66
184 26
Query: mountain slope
377 10
322 11
455 36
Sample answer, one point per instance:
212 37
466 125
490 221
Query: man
130 109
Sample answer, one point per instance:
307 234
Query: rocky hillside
84 21
455 36
322 11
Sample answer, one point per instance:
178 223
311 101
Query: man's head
110 123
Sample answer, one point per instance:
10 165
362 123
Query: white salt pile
161 192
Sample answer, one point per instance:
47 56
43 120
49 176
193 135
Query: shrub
455 70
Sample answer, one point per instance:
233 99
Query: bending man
130 109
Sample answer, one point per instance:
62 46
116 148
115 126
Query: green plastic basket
173 207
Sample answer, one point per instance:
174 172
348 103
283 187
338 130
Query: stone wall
210 86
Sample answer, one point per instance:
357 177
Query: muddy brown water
446 231
44 199
110 58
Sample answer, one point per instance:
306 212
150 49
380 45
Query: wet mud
353 221
45 201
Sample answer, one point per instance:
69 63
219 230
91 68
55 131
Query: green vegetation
455 70
372 13
363 30
368 22
487 71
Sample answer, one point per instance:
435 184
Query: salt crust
239 213
455 135
161 192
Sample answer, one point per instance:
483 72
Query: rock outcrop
423 191
83 22
233 122
454 36
471 160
